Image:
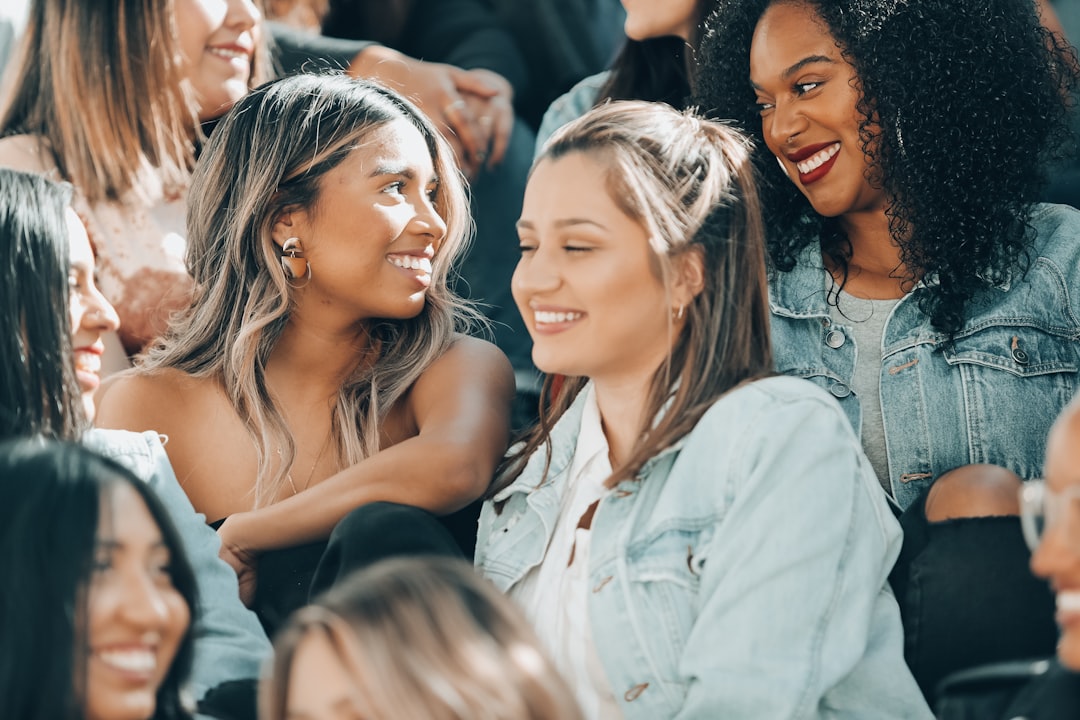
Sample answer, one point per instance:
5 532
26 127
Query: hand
494 115
239 558
438 90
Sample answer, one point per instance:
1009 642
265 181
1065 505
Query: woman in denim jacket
903 148
691 537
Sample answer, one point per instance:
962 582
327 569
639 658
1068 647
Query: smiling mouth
229 53
818 165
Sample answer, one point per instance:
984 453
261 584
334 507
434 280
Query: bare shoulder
161 400
27 152
472 359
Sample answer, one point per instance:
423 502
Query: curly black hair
965 104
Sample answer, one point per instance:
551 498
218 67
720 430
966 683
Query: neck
874 270
622 408
316 357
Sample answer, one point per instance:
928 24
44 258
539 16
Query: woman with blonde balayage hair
690 536
319 367
417 638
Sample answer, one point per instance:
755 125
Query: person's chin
89 408
1069 650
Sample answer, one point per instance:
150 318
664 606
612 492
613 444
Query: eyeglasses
1041 508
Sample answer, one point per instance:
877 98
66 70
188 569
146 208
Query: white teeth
411 262
1068 601
140 661
818 159
88 362
226 53
544 317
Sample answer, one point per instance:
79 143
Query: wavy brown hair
271 152
101 83
689 182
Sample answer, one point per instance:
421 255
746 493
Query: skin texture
319 687
209 26
375 206
648 19
135 617
1058 556
91 314
589 288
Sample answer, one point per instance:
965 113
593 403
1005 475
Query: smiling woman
105 634
319 367
914 275
670 476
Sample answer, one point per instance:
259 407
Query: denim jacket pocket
664 573
1015 379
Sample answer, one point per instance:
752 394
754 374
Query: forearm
405 473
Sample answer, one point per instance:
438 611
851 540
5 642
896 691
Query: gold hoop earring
677 314
293 263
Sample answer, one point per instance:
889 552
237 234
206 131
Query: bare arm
461 405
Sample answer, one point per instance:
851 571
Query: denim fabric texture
229 642
741 574
571 105
988 395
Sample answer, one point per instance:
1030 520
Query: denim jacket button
835 339
840 390
635 692
1020 356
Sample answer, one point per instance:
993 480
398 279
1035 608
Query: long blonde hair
689 182
268 153
427 638
101 84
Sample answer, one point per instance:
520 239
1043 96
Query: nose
783 125
144 605
429 222
100 315
536 273
242 15
1054 556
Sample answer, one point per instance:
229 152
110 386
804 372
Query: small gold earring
293 263
677 314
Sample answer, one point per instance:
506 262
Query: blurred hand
239 558
443 93
494 115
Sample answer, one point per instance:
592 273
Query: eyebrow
568 222
404 171
808 60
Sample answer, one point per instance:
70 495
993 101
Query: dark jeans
967 596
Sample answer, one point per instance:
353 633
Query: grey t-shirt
864 320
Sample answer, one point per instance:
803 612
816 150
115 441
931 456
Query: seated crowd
772 410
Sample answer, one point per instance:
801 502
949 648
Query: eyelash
800 90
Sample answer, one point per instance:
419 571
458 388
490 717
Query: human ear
284 226
689 276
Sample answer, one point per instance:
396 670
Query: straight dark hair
50 498
39 394
661 69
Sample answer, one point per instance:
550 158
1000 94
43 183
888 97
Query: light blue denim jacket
742 574
229 641
571 105
989 396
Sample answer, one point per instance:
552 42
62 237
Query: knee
974 491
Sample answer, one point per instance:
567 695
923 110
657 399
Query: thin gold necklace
311 472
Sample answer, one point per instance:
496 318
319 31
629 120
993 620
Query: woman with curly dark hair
902 148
